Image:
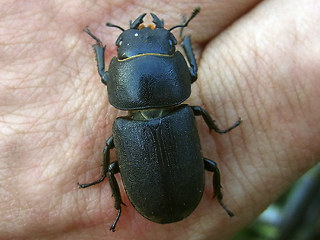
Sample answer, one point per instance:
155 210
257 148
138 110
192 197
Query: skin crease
257 59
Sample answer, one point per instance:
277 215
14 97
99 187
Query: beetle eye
119 42
170 42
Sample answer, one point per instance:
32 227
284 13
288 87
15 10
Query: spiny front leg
186 44
99 51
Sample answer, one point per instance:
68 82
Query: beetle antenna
137 22
116 26
196 10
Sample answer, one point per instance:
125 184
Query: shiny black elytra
157 144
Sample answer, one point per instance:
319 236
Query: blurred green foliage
294 216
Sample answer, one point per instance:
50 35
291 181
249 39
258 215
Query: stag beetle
157 144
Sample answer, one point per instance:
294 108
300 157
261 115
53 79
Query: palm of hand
55 116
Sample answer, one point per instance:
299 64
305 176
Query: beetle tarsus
105 163
113 226
236 124
231 214
184 19
93 183
198 111
99 42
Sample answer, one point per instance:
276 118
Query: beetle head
151 40
139 39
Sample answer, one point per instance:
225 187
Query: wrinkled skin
55 115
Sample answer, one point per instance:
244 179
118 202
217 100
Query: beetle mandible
157 144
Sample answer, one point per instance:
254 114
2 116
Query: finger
215 15
265 69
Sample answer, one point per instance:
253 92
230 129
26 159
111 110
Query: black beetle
157 144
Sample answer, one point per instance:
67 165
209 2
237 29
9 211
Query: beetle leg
198 111
211 166
105 163
99 51
186 44
184 19
113 169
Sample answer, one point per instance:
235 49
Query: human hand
55 116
